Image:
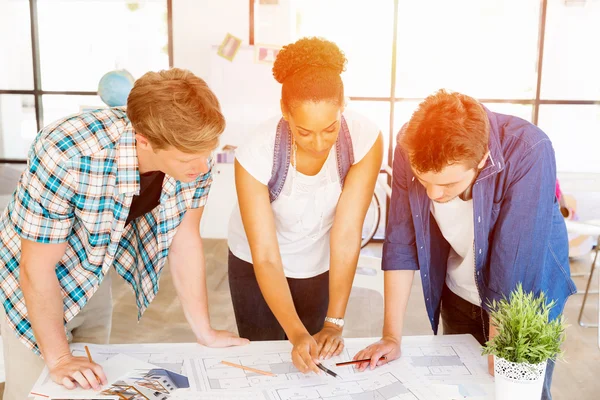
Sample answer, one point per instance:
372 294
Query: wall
200 24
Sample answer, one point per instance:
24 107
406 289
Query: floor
576 376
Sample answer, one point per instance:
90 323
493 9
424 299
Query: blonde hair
176 108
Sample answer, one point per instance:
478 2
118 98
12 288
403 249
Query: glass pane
60 106
402 112
486 49
379 113
77 51
17 125
15 46
573 130
524 111
364 32
571 55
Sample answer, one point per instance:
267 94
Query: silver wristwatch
336 321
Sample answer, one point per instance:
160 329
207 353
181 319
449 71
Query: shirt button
479 251
477 272
421 247
417 215
428 299
479 219
425 276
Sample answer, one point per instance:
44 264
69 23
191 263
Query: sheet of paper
115 367
431 367
453 362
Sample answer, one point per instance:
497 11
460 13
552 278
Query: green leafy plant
524 332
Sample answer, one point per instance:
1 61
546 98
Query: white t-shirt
455 220
305 209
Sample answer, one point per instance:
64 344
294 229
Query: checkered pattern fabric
81 177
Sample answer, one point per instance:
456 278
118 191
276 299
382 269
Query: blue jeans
254 318
459 317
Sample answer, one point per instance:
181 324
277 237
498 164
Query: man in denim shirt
473 208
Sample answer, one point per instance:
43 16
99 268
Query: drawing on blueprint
223 377
382 387
436 361
171 362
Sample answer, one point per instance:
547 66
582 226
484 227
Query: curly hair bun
308 52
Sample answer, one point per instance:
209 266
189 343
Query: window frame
37 91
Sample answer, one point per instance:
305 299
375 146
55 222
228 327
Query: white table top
431 367
591 228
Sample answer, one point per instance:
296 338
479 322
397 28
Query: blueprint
430 367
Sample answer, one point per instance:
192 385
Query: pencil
87 350
327 370
89 356
383 358
258 371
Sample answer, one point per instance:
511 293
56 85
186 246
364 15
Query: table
588 228
431 367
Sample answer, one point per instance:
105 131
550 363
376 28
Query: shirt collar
495 160
128 177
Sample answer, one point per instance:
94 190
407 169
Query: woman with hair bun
304 182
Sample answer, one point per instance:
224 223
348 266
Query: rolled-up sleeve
399 248
203 185
42 211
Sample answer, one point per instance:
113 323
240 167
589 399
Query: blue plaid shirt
80 180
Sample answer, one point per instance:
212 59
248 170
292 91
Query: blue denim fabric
282 156
520 234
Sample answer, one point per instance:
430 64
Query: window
59 50
467 46
16 68
533 59
133 36
571 56
575 134
369 51
518 57
17 125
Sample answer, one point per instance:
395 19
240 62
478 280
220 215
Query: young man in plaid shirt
113 188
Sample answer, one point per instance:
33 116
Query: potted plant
525 341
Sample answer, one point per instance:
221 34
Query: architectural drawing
442 367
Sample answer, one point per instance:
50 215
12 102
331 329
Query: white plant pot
518 381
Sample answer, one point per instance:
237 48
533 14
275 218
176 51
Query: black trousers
254 318
459 317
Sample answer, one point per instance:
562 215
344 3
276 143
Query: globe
114 87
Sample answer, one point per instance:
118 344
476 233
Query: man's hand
329 341
70 371
216 338
388 346
305 353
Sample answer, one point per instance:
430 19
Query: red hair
447 128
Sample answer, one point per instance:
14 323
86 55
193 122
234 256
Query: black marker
327 370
